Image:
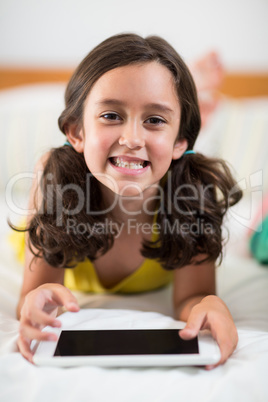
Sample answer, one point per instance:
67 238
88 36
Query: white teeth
132 165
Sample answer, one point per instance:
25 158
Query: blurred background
59 33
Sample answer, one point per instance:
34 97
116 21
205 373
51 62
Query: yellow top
149 276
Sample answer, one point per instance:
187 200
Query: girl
126 204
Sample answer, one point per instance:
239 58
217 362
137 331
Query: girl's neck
141 207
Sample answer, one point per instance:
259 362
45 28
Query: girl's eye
111 116
155 121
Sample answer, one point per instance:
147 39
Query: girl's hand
40 309
212 313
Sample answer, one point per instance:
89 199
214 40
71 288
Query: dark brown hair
47 228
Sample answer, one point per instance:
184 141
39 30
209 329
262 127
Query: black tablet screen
123 342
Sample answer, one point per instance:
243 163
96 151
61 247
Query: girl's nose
132 137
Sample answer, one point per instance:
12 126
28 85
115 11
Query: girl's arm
37 273
41 294
195 302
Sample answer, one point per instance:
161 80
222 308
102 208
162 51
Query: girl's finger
62 297
35 316
227 338
24 348
29 332
194 323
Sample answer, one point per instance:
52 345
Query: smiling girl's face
130 127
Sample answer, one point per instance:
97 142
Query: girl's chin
122 190
129 191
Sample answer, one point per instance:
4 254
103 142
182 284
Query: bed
30 102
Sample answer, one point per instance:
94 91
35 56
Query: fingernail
72 305
57 324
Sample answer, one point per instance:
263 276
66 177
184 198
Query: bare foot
208 73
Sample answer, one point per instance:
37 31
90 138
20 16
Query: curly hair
210 179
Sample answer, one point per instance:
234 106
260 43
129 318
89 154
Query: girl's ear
75 137
179 148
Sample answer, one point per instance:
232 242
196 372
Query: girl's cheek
162 147
105 145
108 137
100 141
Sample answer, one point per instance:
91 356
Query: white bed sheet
242 284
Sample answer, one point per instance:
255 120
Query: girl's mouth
128 164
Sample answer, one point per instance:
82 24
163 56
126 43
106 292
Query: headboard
235 84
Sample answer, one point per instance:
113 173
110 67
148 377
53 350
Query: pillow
28 128
238 133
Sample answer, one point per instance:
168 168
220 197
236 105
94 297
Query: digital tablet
128 348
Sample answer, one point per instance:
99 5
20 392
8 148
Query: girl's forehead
149 80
